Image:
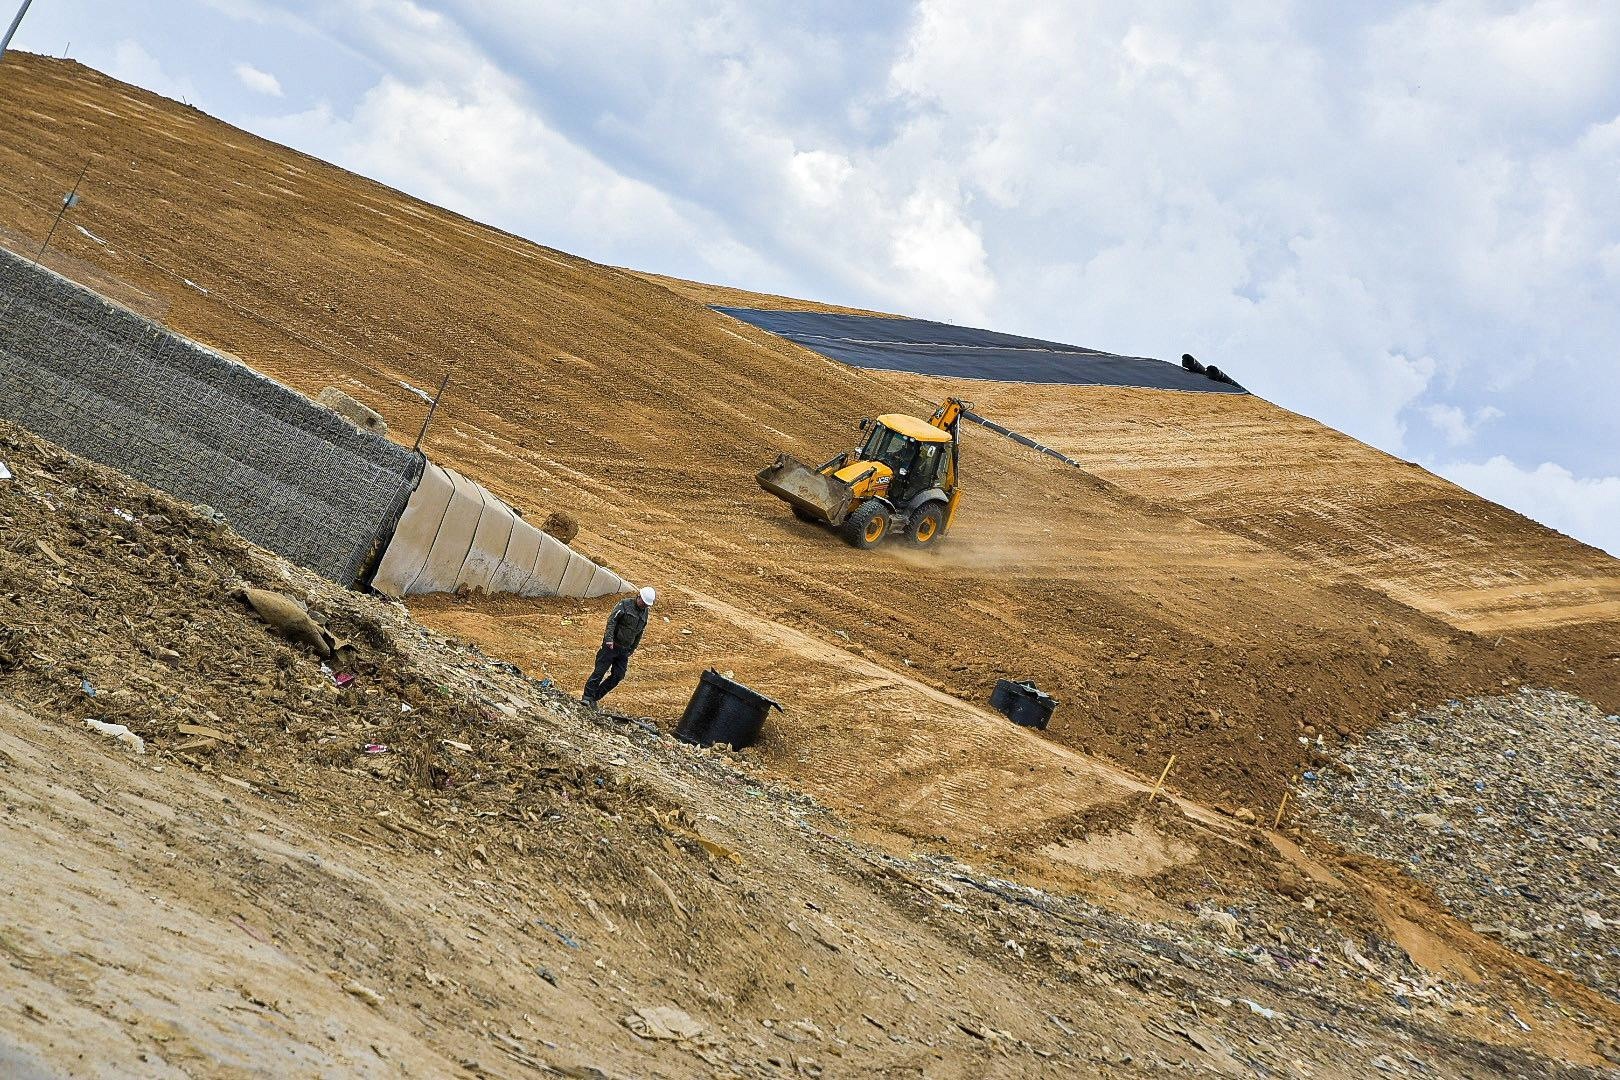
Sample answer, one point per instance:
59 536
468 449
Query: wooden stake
1282 803
1162 775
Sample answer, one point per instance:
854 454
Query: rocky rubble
1508 807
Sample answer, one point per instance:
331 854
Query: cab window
889 447
929 458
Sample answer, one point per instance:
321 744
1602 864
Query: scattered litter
1223 921
423 394
663 1022
84 684
121 514
453 744
50 553
343 678
5 472
717 850
1260 1010
562 936
204 732
289 617
376 748
364 993
119 732
404 708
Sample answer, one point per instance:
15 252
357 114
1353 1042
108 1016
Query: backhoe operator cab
901 481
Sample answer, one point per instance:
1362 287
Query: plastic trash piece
376 748
5 473
119 732
84 684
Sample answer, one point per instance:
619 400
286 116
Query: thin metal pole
433 408
14 24
67 204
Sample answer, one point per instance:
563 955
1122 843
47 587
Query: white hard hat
648 595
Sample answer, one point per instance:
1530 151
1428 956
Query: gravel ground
1508 807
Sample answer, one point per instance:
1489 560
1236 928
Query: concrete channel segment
452 540
549 567
577 578
407 550
488 545
517 566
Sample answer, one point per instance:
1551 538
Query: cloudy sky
1401 218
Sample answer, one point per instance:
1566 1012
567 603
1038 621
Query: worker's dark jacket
625 625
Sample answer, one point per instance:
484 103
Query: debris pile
1508 807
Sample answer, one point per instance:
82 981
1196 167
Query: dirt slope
1338 505
595 390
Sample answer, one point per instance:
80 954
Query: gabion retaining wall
112 386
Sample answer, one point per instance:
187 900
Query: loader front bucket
816 495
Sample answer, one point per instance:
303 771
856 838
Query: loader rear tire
867 526
926 524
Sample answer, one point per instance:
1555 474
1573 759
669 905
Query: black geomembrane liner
963 352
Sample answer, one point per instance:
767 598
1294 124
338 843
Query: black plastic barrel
725 711
1021 703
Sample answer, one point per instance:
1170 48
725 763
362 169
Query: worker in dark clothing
623 634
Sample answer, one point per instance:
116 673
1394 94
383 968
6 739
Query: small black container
724 711
1021 703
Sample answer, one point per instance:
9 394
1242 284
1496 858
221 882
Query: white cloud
260 82
477 149
940 254
1585 508
1458 426
819 176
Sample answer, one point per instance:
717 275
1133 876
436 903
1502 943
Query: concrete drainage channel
455 534
323 490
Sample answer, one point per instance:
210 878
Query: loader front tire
927 524
867 526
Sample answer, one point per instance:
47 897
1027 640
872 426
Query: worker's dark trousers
611 663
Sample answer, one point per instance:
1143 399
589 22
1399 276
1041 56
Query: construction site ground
1222 582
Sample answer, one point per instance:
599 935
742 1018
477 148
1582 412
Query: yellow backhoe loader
901 481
